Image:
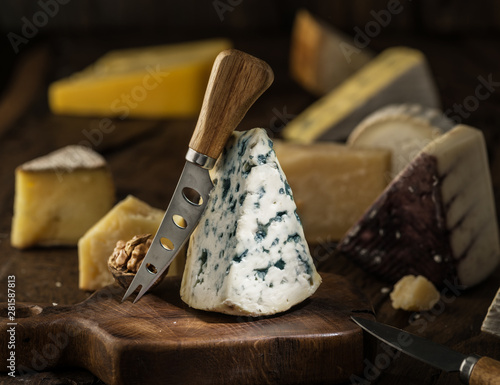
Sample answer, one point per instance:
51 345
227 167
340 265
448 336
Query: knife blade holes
179 221
167 243
151 268
192 196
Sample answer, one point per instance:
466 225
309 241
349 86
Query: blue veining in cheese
248 255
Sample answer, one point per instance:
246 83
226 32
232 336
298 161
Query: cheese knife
236 81
474 369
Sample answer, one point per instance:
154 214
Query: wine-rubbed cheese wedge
127 218
397 75
332 184
404 129
437 218
161 81
59 196
248 255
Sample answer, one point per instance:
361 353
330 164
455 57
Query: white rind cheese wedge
404 129
437 218
59 196
491 323
248 255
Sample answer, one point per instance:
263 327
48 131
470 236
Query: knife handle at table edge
485 372
236 81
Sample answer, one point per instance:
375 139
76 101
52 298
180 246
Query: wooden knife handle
485 372
236 81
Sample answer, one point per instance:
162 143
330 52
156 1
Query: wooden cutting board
161 340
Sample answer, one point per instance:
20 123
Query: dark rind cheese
403 232
437 218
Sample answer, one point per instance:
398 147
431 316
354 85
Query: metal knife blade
182 215
236 81
422 349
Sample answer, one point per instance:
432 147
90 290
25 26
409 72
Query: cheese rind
437 218
151 82
248 255
404 129
397 75
127 218
60 196
333 184
491 323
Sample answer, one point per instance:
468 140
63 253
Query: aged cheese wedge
59 196
397 75
413 293
127 218
404 129
248 255
491 323
322 57
332 184
161 81
437 218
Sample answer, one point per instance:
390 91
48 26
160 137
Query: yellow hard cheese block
129 217
60 196
397 75
152 82
332 184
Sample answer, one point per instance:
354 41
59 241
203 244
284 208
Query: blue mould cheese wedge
248 255
437 218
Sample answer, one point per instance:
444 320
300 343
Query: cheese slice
248 255
322 57
437 218
404 129
491 323
151 82
127 218
59 196
397 75
333 184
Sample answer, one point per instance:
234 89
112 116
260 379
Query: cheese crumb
414 293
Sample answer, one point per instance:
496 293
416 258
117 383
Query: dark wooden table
146 156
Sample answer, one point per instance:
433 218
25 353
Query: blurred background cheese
332 184
151 82
59 196
127 218
321 56
397 75
404 129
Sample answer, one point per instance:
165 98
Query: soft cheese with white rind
404 129
248 255
437 218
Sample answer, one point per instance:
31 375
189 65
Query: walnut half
127 258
